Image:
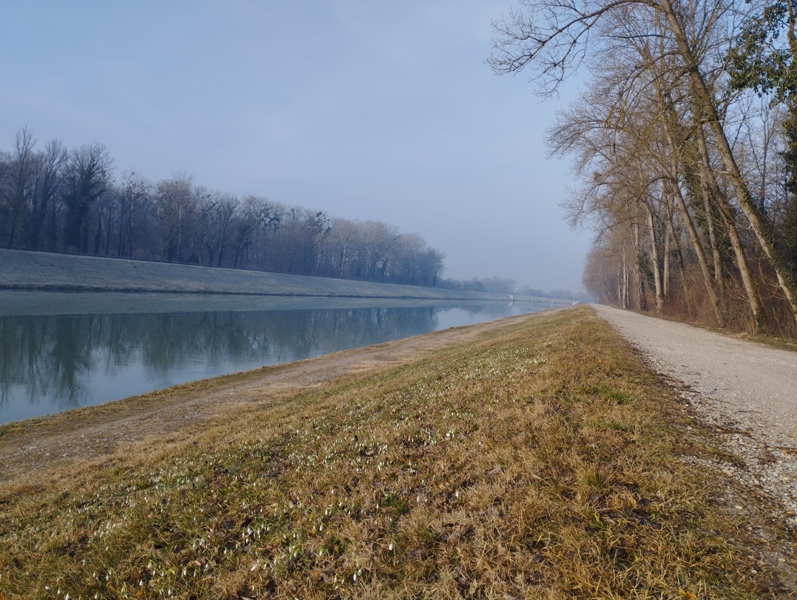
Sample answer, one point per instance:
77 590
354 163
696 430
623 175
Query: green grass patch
542 460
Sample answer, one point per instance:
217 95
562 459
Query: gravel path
746 392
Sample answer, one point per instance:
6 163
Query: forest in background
56 199
684 140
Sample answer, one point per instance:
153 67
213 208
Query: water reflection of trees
52 358
45 357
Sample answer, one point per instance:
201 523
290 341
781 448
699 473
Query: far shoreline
28 271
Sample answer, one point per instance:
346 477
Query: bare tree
87 178
133 193
175 205
42 227
18 191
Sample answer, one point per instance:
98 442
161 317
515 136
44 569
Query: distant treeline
500 285
57 199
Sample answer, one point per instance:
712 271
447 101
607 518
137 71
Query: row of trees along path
685 144
68 200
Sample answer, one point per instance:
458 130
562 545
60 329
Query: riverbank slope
21 270
535 455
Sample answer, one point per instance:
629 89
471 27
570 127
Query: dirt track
756 385
746 391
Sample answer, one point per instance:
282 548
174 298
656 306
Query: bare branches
60 200
649 138
550 37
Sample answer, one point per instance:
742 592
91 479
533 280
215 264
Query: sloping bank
529 457
20 270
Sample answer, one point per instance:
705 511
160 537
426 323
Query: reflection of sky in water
458 317
116 356
16 411
135 378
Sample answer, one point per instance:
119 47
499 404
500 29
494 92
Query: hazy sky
365 109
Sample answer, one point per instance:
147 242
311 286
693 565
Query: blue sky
365 109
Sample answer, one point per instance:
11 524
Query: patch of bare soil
33 451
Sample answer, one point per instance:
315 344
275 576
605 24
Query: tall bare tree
88 174
18 191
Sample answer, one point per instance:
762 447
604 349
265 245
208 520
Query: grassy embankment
543 460
39 271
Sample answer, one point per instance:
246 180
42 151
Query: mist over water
55 362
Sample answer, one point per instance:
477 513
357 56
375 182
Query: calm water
62 351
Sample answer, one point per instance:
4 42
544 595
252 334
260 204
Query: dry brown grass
542 461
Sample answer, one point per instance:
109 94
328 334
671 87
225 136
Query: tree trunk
624 281
713 198
666 274
704 103
719 279
682 270
701 257
675 190
655 260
